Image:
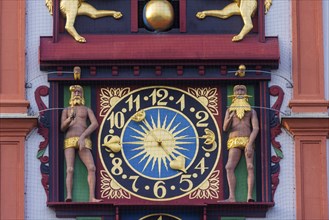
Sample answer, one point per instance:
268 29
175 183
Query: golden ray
147 162
159 122
159 166
138 131
171 122
180 154
174 128
148 126
181 142
164 123
165 162
144 129
139 154
153 123
180 131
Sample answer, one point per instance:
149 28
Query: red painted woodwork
310 135
256 209
307 58
13 133
134 15
125 49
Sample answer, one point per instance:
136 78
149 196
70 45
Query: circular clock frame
137 154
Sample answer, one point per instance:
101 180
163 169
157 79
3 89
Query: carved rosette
109 96
207 96
209 189
110 189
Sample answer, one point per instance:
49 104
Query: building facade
35 71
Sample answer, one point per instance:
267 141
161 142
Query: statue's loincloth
237 142
73 142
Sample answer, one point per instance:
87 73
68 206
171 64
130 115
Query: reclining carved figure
245 8
72 8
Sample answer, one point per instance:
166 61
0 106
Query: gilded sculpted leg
90 11
247 8
69 8
228 11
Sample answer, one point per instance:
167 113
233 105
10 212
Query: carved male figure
245 8
74 122
72 8
242 123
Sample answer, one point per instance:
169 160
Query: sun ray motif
174 128
164 161
180 131
164 123
139 138
139 154
171 122
143 128
159 121
159 142
147 124
153 123
138 131
180 154
147 163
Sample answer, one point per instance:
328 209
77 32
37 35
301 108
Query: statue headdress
240 102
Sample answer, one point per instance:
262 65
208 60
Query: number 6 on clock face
159 143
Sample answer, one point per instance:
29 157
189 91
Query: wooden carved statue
74 122
245 8
72 8
241 122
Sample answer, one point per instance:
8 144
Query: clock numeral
116 169
201 166
133 186
158 96
158 187
186 178
202 116
133 103
181 100
116 119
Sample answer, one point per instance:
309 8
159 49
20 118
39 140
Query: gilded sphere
158 15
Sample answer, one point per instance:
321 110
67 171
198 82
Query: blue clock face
159 143
156 146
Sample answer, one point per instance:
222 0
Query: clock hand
158 140
140 116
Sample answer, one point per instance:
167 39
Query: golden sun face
159 141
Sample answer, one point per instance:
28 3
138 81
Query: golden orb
158 15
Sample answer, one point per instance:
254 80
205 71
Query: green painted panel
80 192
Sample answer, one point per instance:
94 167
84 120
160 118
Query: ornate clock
159 143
